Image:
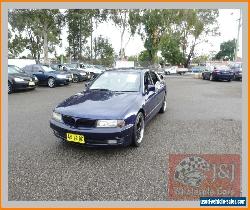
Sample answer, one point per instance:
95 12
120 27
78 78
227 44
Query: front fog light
112 141
56 116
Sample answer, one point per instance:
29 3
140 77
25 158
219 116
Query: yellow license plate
75 138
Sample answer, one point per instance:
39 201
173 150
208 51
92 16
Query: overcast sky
228 27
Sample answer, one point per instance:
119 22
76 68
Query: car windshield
71 65
117 81
13 70
225 68
47 69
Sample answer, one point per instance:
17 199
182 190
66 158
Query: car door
159 88
150 97
40 74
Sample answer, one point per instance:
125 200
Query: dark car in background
236 68
77 74
198 69
91 70
18 80
218 73
48 76
112 111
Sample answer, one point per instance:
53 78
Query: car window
117 81
36 68
28 68
147 79
12 70
46 69
154 77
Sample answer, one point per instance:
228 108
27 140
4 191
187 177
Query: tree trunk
186 64
45 47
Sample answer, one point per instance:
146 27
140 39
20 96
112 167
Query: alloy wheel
51 82
139 128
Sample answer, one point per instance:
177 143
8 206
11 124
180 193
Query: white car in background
171 70
181 70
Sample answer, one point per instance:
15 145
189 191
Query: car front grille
79 122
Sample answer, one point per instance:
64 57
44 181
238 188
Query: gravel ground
203 117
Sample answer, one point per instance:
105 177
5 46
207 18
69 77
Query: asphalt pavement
202 117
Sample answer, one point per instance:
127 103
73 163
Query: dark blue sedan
48 76
113 110
218 73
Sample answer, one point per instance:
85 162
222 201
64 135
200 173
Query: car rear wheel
10 89
75 79
138 130
51 82
164 106
203 77
211 78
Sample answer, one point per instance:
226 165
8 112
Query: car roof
139 70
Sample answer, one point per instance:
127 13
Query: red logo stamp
193 176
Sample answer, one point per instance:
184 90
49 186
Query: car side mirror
151 88
161 76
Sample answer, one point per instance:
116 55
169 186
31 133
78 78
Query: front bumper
24 85
95 136
222 76
60 81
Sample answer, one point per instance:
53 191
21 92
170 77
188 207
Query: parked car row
38 74
211 72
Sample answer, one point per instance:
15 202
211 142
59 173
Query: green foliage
227 50
170 50
39 27
132 58
144 58
200 59
182 27
104 52
81 23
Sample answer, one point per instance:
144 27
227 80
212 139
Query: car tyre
51 82
10 88
75 79
138 130
203 77
164 106
211 78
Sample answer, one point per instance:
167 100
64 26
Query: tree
144 58
189 27
125 20
40 28
227 50
80 25
200 59
170 50
104 52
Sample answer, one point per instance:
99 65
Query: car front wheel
211 78
9 88
164 106
51 82
138 130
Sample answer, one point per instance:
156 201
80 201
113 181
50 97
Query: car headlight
61 76
56 116
110 123
35 78
18 80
